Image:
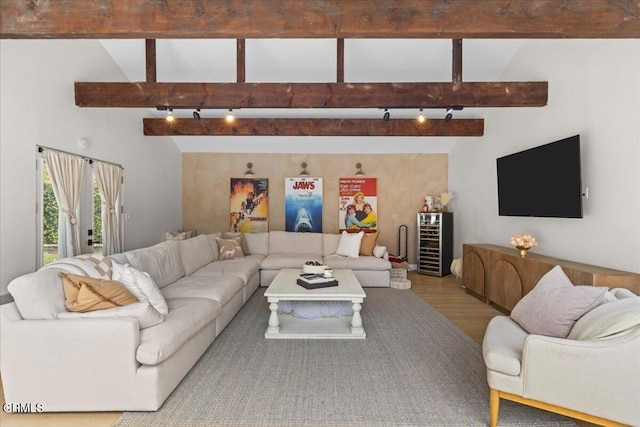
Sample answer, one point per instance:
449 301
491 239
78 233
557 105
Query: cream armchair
592 379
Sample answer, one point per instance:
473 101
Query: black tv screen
544 181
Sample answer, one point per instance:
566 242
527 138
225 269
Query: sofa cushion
39 295
257 243
161 261
607 319
244 268
368 243
141 285
338 262
211 238
286 242
350 244
187 316
144 312
554 304
502 345
330 243
220 288
195 253
84 293
278 261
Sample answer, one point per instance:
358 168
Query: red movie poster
358 204
249 205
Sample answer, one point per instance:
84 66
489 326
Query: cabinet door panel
504 286
473 272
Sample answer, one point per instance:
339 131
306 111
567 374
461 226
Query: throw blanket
98 266
316 309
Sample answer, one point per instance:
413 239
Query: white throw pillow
350 244
143 311
379 251
554 305
38 295
607 319
141 285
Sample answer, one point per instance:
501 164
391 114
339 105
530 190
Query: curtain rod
90 159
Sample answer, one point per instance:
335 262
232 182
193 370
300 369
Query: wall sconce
359 169
249 171
304 172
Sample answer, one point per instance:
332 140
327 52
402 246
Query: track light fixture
449 115
304 172
230 118
170 117
421 118
196 114
359 169
386 115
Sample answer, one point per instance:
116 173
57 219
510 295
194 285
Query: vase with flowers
523 242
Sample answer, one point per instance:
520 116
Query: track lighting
304 172
386 115
196 114
230 118
421 118
359 169
449 114
170 117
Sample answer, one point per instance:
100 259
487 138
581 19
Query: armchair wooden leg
494 407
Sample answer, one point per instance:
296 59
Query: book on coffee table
314 281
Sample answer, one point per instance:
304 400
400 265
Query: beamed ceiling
299 19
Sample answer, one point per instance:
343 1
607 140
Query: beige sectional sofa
114 364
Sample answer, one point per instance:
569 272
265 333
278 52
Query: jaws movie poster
249 205
303 204
358 204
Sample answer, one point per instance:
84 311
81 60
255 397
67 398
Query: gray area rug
415 368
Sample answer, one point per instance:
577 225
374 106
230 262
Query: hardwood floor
445 294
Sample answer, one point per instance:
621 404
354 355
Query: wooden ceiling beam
314 127
237 19
311 95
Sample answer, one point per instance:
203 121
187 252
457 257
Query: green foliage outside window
50 211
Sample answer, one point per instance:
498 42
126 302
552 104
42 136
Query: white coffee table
285 288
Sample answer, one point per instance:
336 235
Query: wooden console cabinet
502 277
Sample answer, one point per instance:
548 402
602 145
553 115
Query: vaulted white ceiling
314 60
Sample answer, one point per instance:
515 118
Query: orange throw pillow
83 294
368 243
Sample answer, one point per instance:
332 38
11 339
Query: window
89 212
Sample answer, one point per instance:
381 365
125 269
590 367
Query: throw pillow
141 285
179 235
84 293
349 245
229 248
38 295
554 305
368 243
379 251
607 319
143 311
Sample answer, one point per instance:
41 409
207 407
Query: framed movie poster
358 204
303 204
249 211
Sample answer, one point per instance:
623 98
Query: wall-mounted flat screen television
543 181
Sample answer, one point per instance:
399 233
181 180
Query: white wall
594 91
38 108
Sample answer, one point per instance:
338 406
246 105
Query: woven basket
398 274
401 284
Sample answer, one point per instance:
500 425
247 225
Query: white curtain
66 172
108 178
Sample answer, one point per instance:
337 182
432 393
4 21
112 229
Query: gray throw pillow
554 305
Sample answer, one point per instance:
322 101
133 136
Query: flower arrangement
523 241
446 197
